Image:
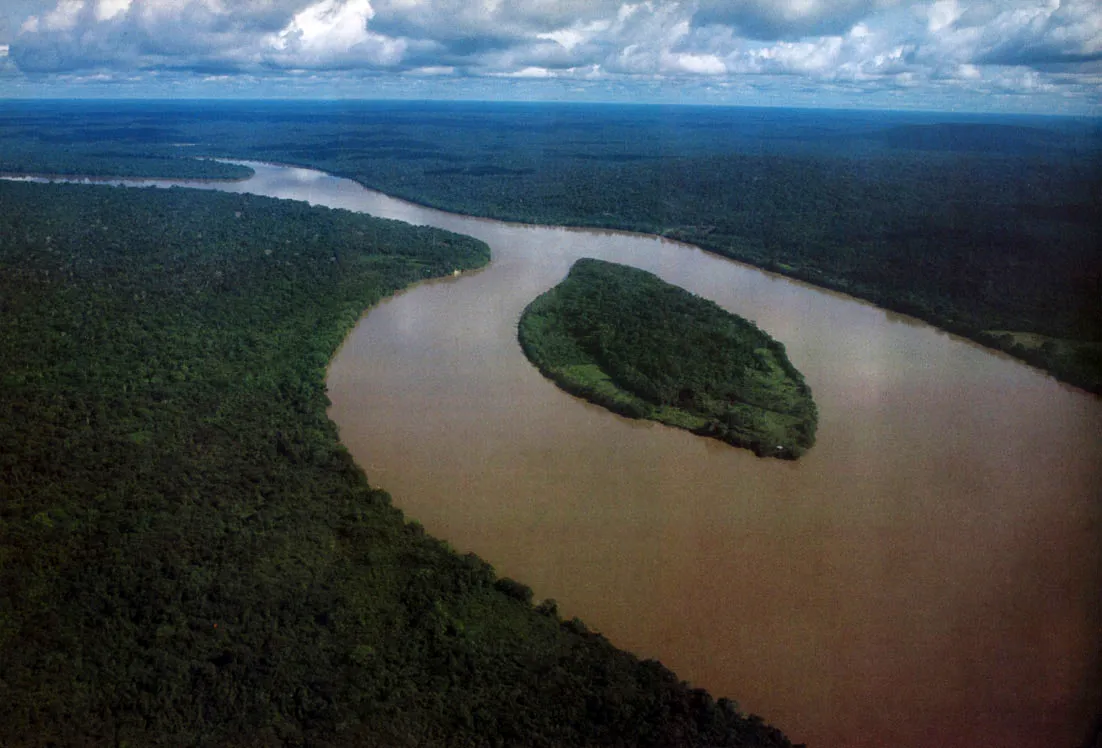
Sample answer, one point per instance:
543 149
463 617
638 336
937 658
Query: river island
626 340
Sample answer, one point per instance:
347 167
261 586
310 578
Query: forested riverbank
986 227
1000 248
624 339
189 556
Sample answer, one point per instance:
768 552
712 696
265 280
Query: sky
1031 56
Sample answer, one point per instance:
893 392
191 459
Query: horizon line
544 102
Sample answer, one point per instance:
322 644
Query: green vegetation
627 340
189 557
970 223
104 167
99 164
105 140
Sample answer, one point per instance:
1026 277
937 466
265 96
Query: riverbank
831 570
100 168
99 179
182 525
969 239
1074 361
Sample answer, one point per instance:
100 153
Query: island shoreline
983 339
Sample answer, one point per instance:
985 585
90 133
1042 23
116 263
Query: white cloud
327 26
334 32
691 63
1037 46
529 72
108 9
62 18
434 70
571 37
968 72
812 57
942 14
787 19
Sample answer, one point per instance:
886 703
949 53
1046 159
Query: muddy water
928 575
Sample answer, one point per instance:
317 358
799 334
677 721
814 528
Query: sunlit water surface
929 574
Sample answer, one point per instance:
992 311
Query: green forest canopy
188 556
988 227
627 340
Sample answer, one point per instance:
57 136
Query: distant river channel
928 575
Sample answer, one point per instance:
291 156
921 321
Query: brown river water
929 574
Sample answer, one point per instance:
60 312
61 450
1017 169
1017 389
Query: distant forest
189 556
989 227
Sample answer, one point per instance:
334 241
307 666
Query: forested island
188 556
623 338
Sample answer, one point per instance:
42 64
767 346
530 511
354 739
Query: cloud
89 34
333 33
868 45
445 20
529 72
787 19
1058 32
692 63
108 9
204 35
433 70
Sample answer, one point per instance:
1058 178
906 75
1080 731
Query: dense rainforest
623 338
188 556
989 227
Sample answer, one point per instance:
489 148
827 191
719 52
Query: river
929 574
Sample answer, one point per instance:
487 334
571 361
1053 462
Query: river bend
927 575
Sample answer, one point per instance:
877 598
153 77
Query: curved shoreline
748 369
294 541
102 179
650 471
90 179
580 505
981 338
